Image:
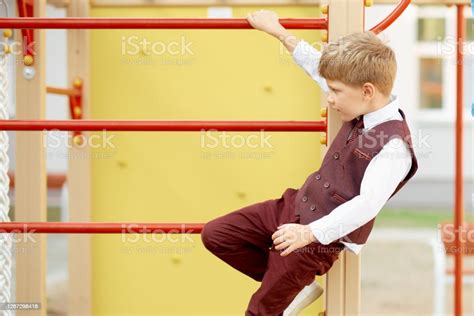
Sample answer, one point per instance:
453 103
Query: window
468 83
431 83
469 66
431 29
469 29
435 49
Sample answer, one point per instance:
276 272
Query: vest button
326 185
336 155
305 198
312 207
318 177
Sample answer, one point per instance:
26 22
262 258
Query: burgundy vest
340 175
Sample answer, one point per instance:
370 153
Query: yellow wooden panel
183 177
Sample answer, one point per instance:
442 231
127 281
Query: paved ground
398 277
397 274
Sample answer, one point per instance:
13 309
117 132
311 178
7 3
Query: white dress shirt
382 176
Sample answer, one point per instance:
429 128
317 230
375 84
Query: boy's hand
266 21
292 237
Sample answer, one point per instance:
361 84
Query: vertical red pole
25 9
459 188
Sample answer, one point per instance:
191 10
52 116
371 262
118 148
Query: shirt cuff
322 235
307 57
304 54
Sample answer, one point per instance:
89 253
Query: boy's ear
368 90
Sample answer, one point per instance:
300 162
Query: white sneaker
305 297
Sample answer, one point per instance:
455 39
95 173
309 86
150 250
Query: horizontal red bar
177 126
100 228
62 91
150 23
53 180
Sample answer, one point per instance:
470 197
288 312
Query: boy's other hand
292 236
266 21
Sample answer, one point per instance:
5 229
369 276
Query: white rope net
5 238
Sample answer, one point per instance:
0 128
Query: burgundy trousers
243 240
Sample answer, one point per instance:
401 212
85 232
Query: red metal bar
62 91
75 103
459 181
54 180
150 23
100 228
176 126
25 10
74 97
391 17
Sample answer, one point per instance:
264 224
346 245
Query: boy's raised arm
267 21
305 56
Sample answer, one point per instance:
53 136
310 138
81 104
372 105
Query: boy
285 242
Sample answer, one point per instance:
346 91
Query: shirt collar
381 115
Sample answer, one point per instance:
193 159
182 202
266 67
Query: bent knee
209 236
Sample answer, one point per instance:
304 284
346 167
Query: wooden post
343 280
78 174
352 284
30 177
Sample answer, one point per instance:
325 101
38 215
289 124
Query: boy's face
348 101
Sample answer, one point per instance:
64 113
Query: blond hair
359 58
